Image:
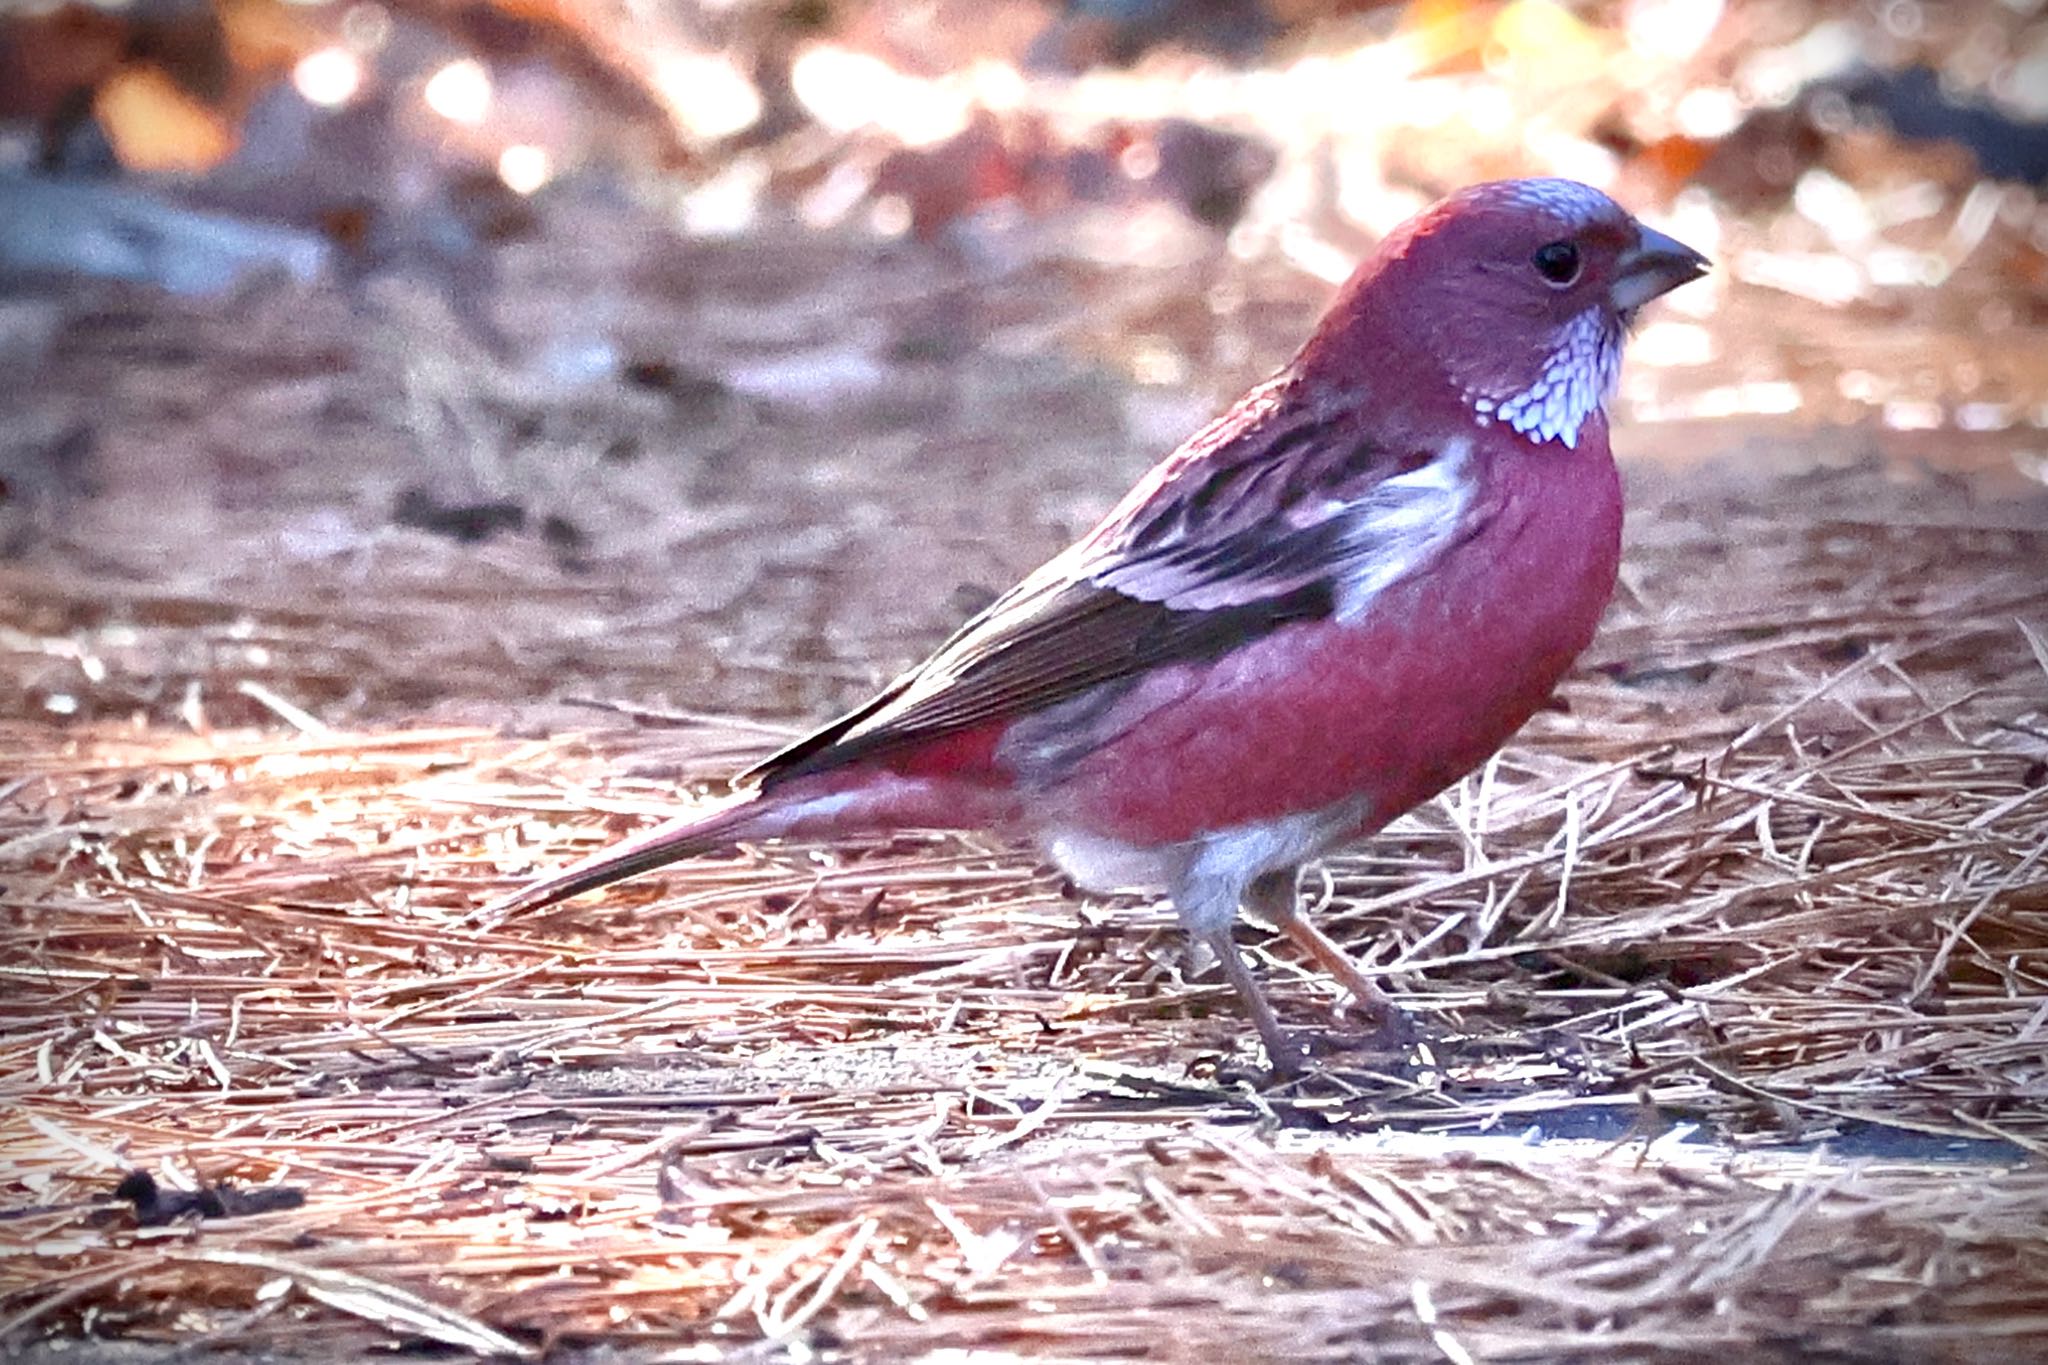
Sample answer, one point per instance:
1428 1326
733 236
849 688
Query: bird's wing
1274 514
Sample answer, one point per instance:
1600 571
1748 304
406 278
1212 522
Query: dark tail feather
745 817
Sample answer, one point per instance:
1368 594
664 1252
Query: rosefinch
1324 608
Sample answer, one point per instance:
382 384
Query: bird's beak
1655 265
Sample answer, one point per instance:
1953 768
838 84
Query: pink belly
1394 707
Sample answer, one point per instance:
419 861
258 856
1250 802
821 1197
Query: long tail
745 817
821 805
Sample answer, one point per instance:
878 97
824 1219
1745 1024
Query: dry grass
1734 977
1734 974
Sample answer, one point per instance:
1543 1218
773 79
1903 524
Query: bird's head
1510 299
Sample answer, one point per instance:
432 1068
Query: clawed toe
1284 1063
1389 1028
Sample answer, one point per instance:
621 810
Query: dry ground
1733 972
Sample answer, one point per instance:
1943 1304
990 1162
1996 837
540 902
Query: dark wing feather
1234 536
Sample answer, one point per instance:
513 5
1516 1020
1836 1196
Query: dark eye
1558 262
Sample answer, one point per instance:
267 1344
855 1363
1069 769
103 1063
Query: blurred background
723 352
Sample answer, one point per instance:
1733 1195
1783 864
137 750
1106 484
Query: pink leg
1272 896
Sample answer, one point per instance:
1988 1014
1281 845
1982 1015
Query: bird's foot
1282 1054
1388 1027
1285 1060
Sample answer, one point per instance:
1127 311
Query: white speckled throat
1575 380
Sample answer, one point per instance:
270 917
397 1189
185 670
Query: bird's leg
1207 903
1280 1049
1272 897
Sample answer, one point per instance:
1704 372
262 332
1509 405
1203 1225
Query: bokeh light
708 94
329 78
525 168
460 92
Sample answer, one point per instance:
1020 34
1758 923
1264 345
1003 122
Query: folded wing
1275 514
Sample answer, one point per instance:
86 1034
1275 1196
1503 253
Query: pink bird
1325 607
